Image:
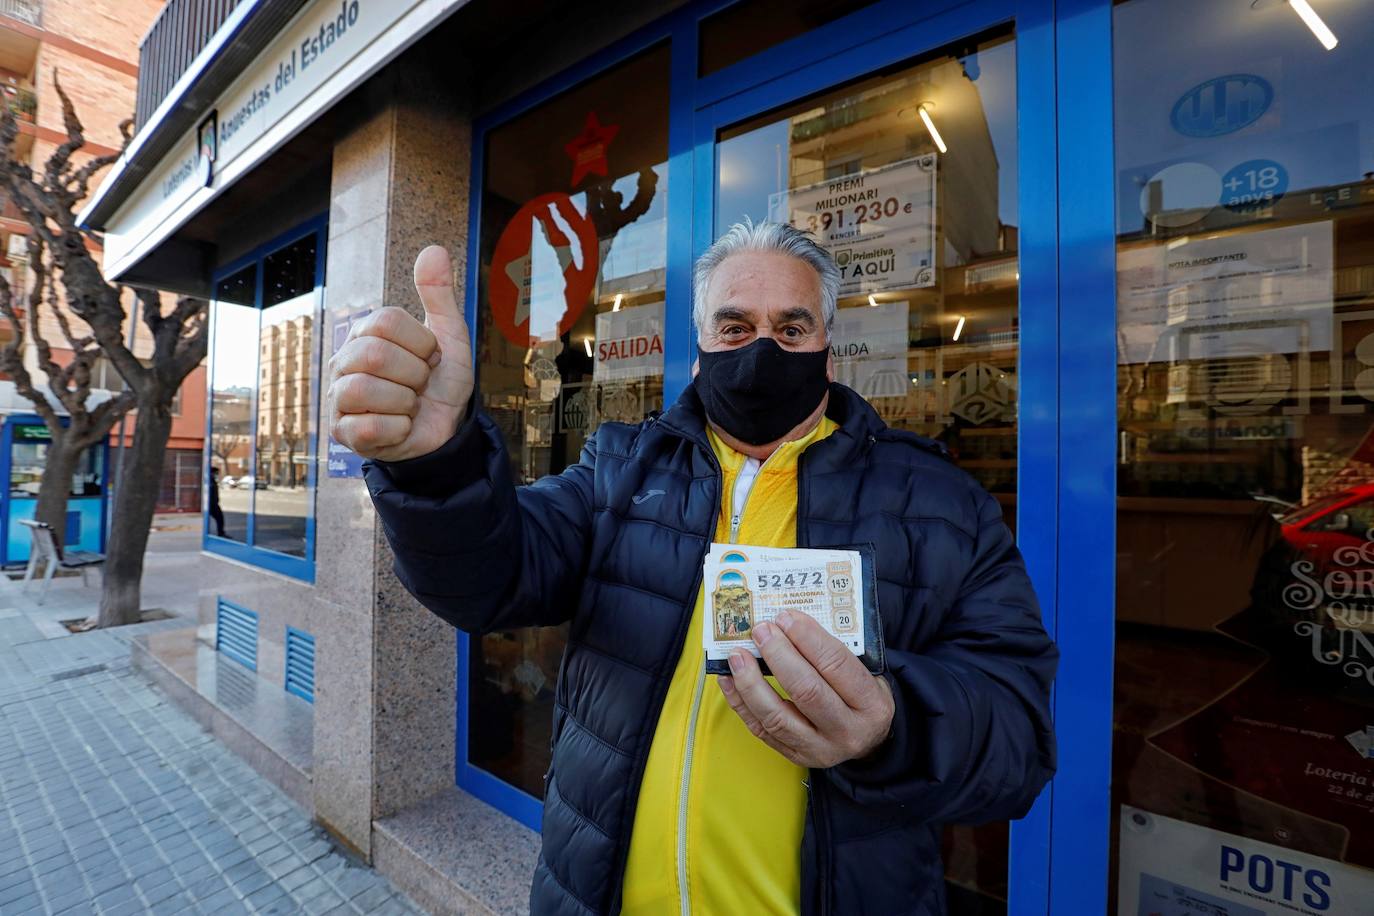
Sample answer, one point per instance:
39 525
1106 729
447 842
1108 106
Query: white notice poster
869 344
1246 294
629 343
1174 868
879 225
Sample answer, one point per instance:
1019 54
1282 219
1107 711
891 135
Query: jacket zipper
814 791
684 894
813 785
623 853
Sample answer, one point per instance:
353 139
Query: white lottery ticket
747 585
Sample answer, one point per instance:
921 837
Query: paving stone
115 897
171 905
198 873
280 907
302 876
206 886
252 881
114 801
343 909
69 898
373 897
265 895
74 901
16 891
324 903
357 879
29 903
155 893
284 866
126 908
226 901
275 854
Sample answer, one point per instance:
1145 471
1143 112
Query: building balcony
27 11
182 30
20 35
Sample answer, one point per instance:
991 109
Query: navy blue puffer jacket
968 660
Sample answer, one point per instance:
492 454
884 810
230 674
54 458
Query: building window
573 248
180 489
264 379
1245 459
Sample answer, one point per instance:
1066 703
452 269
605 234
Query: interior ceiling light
924 110
1308 15
1314 22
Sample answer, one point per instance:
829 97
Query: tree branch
12 360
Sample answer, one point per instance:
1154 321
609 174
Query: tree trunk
140 480
56 485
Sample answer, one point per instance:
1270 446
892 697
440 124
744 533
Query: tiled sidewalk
113 801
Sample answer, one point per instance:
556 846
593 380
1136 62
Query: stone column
384 717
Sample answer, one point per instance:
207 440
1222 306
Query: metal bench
43 549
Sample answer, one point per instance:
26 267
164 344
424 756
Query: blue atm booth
23 454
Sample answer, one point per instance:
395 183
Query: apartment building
91 47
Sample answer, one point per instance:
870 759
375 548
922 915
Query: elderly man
676 791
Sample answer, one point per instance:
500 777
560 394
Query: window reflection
925 233
263 368
573 248
233 390
927 327
285 374
1245 268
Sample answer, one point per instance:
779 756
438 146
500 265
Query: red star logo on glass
588 149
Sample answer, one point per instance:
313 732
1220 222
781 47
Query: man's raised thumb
434 283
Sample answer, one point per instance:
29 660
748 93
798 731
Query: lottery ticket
747 585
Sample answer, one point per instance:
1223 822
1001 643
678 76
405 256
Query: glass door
907 173
901 177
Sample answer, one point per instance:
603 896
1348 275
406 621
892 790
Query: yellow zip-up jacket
718 826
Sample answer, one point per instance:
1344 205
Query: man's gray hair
766 236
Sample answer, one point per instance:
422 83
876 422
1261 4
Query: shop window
1243 775
573 248
264 375
921 215
750 26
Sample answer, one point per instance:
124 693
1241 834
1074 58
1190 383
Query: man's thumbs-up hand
398 388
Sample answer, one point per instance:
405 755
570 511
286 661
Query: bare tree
68 387
48 203
290 437
223 446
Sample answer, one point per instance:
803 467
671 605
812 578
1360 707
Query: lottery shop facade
1119 256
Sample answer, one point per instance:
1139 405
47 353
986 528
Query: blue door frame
1067 374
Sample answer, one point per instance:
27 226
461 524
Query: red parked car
1313 593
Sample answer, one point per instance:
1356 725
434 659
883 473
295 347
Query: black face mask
758 393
